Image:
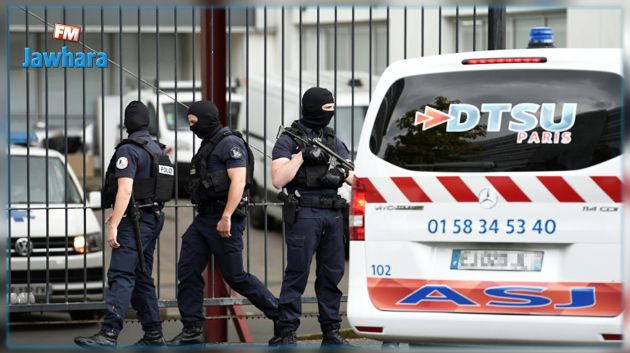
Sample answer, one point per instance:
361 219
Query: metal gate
64 121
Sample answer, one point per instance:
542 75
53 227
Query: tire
183 173
182 193
80 315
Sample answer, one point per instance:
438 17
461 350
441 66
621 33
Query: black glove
334 178
314 155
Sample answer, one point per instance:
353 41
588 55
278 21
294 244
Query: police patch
235 153
122 163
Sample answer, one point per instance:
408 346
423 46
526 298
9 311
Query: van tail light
371 329
357 211
612 337
521 60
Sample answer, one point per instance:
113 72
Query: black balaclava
208 123
136 117
313 116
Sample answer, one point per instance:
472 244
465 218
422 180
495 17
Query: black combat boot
277 336
288 339
191 335
102 339
151 338
333 338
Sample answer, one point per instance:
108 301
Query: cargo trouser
317 231
199 241
127 284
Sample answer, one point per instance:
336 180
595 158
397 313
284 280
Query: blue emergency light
20 138
540 37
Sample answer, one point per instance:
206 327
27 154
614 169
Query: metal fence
76 116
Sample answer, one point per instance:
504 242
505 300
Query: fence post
496 27
213 87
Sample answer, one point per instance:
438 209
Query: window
37 174
517 28
344 117
234 109
595 135
153 122
344 47
182 115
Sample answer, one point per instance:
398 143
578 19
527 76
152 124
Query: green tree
434 145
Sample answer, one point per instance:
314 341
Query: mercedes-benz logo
23 247
488 198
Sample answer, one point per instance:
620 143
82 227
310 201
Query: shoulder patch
235 153
122 163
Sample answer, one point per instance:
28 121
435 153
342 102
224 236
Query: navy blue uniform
202 239
127 284
315 231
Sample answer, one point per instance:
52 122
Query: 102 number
381 270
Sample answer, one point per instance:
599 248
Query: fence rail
318 44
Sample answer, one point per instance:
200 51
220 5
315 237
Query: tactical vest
205 186
157 188
309 174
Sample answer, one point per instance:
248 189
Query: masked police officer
138 172
221 171
312 215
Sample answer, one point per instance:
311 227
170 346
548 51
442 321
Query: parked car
56 247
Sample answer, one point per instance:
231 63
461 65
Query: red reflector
610 336
357 211
370 329
527 60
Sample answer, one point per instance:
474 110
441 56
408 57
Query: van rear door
496 192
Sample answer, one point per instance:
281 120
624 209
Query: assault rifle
134 215
335 159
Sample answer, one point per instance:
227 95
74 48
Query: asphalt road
263 257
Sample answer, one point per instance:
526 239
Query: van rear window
503 120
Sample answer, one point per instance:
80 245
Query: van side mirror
94 199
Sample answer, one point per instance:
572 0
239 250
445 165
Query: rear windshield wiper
454 165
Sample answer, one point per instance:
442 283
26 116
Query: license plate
496 260
36 289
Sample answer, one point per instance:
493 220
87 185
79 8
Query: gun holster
291 206
240 210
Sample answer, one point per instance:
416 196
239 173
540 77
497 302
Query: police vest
157 188
309 174
204 185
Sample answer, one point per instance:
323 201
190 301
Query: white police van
487 204
66 265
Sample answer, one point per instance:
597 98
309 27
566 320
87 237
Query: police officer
220 173
314 223
130 176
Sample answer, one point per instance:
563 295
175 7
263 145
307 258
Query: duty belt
219 206
148 203
210 208
322 202
154 208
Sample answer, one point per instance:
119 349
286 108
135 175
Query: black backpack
157 188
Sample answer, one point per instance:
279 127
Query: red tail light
357 211
522 60
372 329
612 337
